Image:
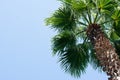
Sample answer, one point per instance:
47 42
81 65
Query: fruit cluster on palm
88 32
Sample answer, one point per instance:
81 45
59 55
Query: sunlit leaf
62 19
106 6
116 17
114 36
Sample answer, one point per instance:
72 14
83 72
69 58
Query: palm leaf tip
62 19
74 61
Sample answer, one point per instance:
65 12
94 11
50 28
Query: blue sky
25 47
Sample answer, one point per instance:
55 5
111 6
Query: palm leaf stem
106 22
89 16
82 23
99 17
80 32
85 40
96 17
85 18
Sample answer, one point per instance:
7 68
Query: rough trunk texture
105 52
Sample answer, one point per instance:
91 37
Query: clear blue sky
25 48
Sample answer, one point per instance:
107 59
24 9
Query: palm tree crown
72 22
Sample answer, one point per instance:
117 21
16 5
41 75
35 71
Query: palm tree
88 32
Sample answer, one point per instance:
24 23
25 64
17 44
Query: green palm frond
75 60
63 41
106 6
116 27
104 10
114 36
116 17
75 4
78 5
72 55
62 19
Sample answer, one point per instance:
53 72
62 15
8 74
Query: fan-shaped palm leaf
63 41
62 19
74 60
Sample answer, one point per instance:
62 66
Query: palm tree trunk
105 52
